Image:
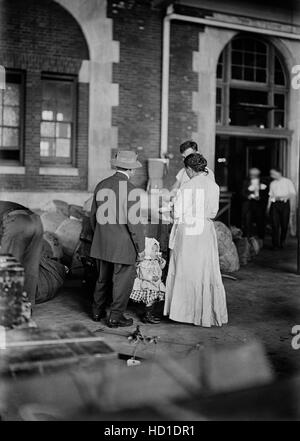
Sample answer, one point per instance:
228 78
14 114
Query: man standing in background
282 192
186 149
255 198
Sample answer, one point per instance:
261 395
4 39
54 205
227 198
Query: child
148 287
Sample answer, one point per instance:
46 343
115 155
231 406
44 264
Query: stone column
98 30
211 44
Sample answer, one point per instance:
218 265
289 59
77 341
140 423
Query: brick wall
40 36
138 28
183 82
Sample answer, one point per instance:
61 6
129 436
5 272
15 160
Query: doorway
235 155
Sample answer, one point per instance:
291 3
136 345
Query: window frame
226 83
22 74
56 161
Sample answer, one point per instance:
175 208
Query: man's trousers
114 285
253 212
280 217
22 236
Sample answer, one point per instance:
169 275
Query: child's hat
149 242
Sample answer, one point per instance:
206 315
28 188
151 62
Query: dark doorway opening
235 155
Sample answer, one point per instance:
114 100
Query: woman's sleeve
214 199
178 206
179 175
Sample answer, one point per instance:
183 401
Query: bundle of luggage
68 236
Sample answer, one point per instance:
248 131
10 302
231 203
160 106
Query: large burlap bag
243 249
51 220
68 233
228 256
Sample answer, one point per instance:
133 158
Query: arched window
251 85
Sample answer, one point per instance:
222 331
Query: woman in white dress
194 289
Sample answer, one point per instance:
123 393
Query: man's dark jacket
263 194
120 241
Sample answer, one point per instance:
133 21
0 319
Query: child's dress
148 287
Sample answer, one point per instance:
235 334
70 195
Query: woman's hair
188 145
277 169
196 162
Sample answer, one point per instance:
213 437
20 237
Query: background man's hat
126 159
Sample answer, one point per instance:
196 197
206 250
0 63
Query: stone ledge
12 170
59 171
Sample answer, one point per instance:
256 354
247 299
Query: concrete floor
263 303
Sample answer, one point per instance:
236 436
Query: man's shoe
98 315
121 322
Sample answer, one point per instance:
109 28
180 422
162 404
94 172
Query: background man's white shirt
282 189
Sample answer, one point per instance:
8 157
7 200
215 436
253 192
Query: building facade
87 77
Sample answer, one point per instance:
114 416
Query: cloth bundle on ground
228 255
246 247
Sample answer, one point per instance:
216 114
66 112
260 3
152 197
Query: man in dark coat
255 195
118 240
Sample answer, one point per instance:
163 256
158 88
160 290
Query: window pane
12 95
64 91
63 148
49 90
279 101
219 115
64 111
47 147
237 57
279 74
279 78
10 137
261 60
11 116
48 130
261 75
47 115
260 47
249 108
9 155
279 119
236 73
57 108
48 110
219 95
249 59
63 130
249 74
219 71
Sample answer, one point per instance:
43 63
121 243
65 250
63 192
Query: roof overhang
162 3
